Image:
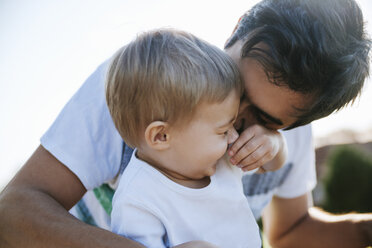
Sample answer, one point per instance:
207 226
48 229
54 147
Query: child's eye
225 133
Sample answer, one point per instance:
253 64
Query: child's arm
259 147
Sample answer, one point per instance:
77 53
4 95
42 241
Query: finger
259 157
258 165
245 151
269 150
250 167
244 137
254 150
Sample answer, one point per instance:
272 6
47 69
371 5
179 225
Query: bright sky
49 47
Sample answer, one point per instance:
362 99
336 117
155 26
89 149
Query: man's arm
289 223
33 209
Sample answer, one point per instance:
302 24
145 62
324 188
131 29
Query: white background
48 48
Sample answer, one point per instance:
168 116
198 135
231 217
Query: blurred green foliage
348 182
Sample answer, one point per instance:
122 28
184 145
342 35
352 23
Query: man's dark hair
310 46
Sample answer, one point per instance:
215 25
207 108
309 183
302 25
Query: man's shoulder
298 138
93 89
298 132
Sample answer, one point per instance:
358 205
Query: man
300 60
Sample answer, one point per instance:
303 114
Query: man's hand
256 147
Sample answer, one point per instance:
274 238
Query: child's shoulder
137 180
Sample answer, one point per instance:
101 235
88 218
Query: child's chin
212 170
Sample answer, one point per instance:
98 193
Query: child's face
196 148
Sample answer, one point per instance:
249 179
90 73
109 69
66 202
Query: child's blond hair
162 76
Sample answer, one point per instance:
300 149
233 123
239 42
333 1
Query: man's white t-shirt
151 209
84 138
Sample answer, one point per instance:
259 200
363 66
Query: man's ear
157 135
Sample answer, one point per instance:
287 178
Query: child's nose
232 135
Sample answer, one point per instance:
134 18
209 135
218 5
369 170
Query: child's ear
157 135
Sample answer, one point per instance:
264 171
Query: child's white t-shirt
151 209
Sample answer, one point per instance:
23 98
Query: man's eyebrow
267 116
